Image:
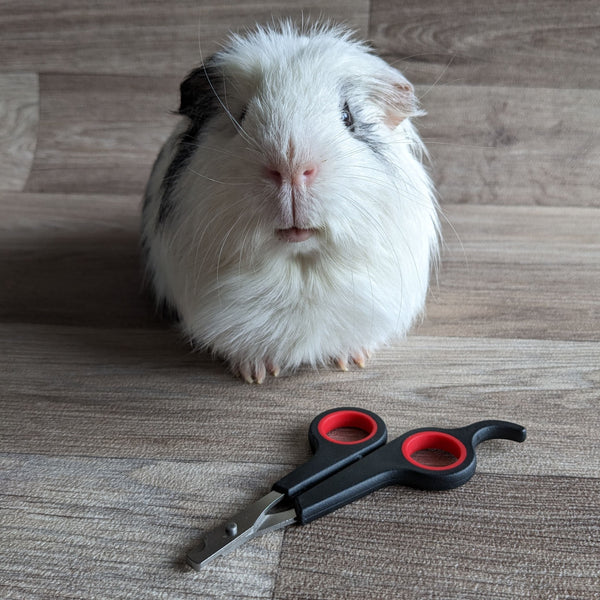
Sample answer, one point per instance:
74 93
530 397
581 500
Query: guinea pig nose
306 174
274 175
297 177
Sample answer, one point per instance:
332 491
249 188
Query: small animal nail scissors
343 471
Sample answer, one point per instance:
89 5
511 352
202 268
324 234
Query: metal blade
247 524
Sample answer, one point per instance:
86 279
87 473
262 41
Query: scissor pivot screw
231 529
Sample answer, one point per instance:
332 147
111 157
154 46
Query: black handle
394 463
331 455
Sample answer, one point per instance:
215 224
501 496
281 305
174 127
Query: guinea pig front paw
358 358
255 371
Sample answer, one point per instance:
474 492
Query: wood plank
534 44
496 537
72 259
139 37
138 393
518 272
509 145
101 133
109 37
218 19
92 528
19 102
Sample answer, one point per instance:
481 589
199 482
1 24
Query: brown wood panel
139 37
19 102
509 145
137 393
496 537
539 44
518 272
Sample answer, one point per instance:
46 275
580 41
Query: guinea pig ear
198 93
396 96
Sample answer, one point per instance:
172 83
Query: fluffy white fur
360 281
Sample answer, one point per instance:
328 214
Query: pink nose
299 177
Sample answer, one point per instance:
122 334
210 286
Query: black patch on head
198 92
361 130
365 133
199 103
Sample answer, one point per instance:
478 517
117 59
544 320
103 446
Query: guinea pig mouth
294 234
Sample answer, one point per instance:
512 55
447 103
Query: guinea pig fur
289 220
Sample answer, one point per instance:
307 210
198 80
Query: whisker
438 77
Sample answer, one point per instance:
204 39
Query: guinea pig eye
347 116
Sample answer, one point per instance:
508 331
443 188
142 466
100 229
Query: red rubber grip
347 418
438 440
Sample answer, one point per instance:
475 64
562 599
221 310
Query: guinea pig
289 220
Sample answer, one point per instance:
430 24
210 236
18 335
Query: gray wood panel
98 528
498 537
19 104
140 37
505 270
101 133
72 259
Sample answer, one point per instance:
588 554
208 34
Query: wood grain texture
217 19
119 446
499 537
19 103
101 133
87 528
139 37
502 274
136 393
72 259
513 145
533 44
505 270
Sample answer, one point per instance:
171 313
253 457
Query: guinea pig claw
272 368
256 371
245 372
342 363
358 358
260 373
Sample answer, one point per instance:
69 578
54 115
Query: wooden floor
118 446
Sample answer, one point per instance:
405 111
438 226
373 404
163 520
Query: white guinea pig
288 219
